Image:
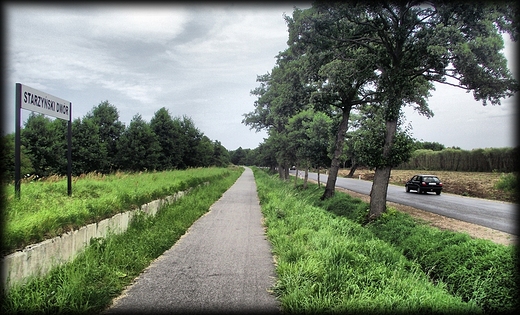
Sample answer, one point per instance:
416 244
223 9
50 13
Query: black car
424 183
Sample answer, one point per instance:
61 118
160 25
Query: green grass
45 210
330 264
90 282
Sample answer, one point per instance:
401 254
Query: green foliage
327 263
99 274
168 134
101 143
138 148
45 210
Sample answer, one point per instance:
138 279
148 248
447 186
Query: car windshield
431 179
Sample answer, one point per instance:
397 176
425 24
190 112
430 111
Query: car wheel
438 192
419 191
407 189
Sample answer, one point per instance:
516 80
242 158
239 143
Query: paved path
222 264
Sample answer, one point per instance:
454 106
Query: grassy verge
45 210
328 263
476 270
90 282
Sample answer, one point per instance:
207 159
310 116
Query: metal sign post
41 102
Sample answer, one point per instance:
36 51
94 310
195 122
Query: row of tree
354 65
102 143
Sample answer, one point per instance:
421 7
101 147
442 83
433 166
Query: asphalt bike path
223 264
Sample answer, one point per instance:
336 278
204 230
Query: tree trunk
378 192
334 166
306 178
352 170
280 171
296 178
382 176
319 184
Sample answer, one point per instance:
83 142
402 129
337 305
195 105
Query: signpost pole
69 153
17 163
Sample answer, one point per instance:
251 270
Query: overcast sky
196 60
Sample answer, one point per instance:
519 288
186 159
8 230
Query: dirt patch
445 223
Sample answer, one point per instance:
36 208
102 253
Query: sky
198 60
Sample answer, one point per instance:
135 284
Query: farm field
471 184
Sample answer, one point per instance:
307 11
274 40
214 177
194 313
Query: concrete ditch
37 260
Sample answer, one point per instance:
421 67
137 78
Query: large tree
167 132
45 143
281 94
342 75
138 148
414 44
89 153
106 116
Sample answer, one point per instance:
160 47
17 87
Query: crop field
44 209
471 184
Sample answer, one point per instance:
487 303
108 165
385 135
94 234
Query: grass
88 284
331 264
45 210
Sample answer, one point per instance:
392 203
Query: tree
89 153
342 75
106 117
191 138
170 154
413 45
7 159
45 144
309 139
220 155
281 94
205 152
138 148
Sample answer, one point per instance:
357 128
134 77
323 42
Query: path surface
222 264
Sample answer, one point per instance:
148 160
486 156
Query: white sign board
41 102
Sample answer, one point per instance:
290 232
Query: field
470 184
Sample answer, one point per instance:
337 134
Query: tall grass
90 282
476 270
45 210
330 264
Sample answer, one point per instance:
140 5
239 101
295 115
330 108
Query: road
222 264
492 214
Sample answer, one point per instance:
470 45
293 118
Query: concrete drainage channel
38 259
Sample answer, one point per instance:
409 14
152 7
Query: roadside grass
330 264
474 269
100 273
44 209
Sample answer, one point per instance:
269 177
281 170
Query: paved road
493 214
222 264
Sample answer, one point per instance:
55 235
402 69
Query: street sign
44 103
